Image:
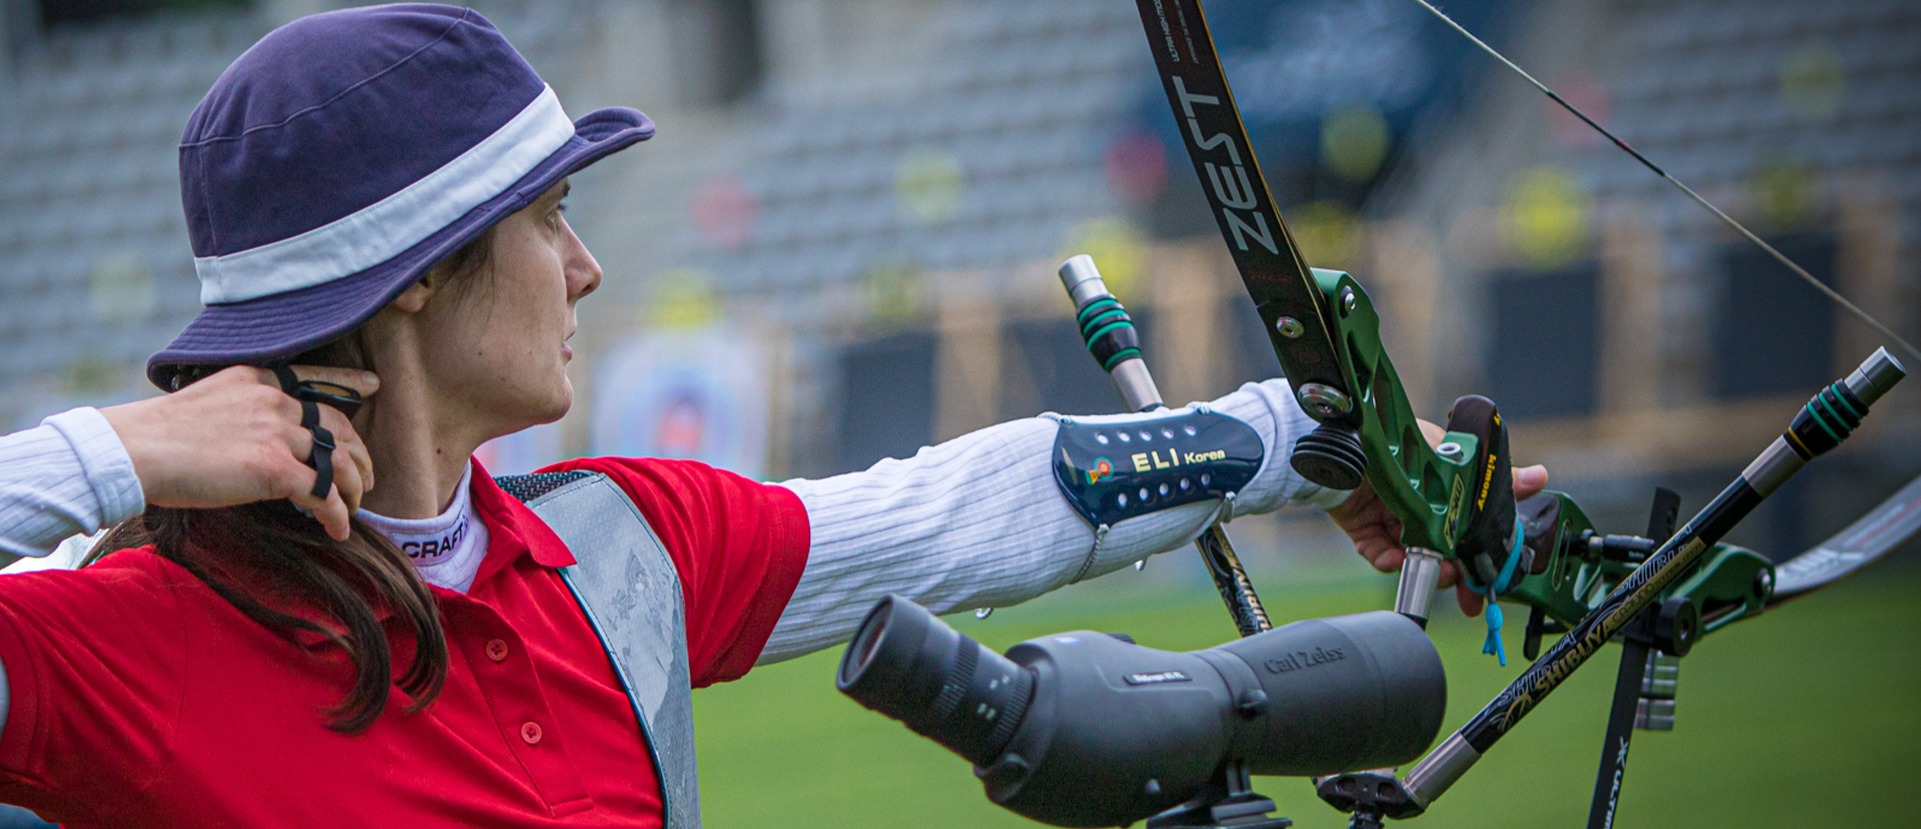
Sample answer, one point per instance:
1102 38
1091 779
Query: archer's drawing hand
1377 533
235 438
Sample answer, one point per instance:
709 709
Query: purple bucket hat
343 155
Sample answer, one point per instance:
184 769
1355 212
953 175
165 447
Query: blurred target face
494 342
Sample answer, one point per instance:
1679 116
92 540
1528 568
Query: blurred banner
699 393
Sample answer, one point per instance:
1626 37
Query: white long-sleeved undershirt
973 522
978 521
68 476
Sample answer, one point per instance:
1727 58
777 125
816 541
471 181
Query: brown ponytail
288 563
285 555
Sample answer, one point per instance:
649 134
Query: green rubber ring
1838 419
1097 335
1119 357
1844 402
1096 305
1096 322
1821 421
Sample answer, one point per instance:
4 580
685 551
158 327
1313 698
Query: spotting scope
1087 729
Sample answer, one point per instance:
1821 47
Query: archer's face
499 347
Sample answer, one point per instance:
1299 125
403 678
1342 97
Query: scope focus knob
1331 456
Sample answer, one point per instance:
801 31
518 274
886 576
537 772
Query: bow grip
1484 526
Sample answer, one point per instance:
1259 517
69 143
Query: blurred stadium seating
919 152
882 201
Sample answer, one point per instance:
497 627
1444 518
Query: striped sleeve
67 476
978 521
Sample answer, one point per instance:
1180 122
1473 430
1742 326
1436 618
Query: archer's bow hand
1377 533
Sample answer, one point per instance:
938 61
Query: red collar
513 531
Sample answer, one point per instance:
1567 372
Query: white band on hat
387 228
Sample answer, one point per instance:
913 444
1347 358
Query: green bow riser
1433 495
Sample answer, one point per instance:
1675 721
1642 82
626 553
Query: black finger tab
319 391
289 383
323 460
340 397
311 394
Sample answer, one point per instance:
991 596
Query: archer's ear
415 297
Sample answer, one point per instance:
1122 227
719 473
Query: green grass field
1806 717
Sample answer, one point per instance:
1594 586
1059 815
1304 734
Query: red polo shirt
140 698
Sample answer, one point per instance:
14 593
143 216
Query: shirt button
497 649
530 732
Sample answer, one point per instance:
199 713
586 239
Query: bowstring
1724 217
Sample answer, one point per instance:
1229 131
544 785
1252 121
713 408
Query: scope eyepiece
907 664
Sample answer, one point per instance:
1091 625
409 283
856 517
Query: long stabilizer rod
1821 425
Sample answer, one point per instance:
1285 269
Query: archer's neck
418 462
419 433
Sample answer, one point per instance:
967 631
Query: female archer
382 189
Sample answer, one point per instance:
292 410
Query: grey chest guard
629 590
1118 469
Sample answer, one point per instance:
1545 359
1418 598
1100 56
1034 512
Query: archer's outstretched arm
981 521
